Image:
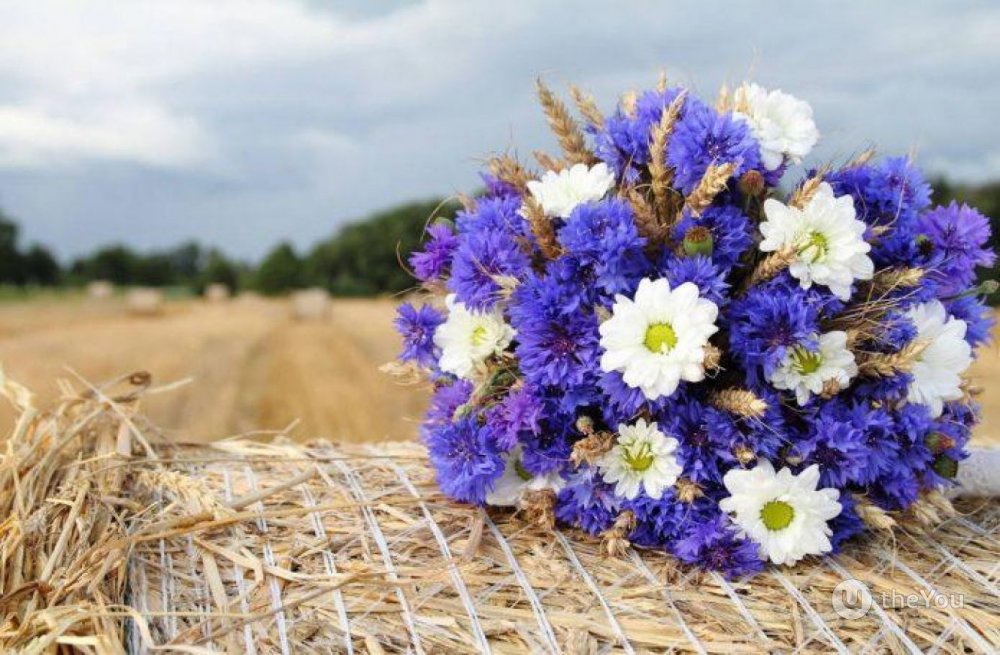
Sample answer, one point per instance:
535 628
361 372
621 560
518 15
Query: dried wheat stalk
741 402
567 131
541 228
587 107
887 365
771 266
661 174
712 182
507 169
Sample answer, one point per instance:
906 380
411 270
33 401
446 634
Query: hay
216 293
144 302
116 541
100 290
311 305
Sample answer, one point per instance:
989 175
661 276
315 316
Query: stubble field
250 366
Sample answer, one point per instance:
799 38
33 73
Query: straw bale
217 293
311 304
116 540
100 290
144 301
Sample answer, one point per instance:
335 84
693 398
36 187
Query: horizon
243 124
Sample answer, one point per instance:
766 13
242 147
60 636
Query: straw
117 541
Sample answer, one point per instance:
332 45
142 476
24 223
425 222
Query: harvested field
251 365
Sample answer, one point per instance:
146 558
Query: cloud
246 122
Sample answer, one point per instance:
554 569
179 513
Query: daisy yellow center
638 456
813 247
806 362
777 515
660 337
478 336
520 470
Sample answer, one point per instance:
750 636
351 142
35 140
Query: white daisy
937 371
642 457
805 371
467 338
509 488
560 193
783 513
781 123
827 237
659 338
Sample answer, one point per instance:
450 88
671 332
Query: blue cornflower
557 338
466 458
417 326
979 318
603 236
958 237
764 325
714 545
434 261
587 502
699 270
836 443
704 137
481 265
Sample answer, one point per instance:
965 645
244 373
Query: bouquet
652 339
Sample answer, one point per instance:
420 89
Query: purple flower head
417 326
714 545
434 261
837 444
603 236
446 400
466 458
704 137
699 270
516 417
481 265
958 236
557 338
846 524
979 319
587 502
764 325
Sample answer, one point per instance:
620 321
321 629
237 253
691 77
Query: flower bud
585 425
945 466
698 241
751 183
938 442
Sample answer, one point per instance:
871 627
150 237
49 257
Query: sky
244 123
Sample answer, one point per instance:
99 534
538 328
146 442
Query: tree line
363 258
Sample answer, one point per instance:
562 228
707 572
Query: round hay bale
144 302
311 304
217 293
100 290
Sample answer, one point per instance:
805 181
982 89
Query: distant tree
11 260
41 267
364 258
281 271
115 263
